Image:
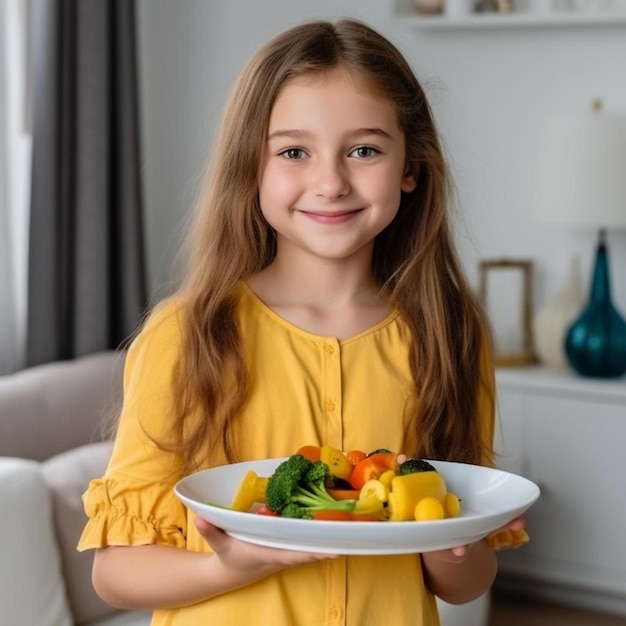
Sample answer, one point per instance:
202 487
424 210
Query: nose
330 179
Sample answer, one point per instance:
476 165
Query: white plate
490 499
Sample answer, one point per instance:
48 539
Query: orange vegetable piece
312 453
355 456
344 516
343 494
333 516
372 467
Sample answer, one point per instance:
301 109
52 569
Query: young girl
323 304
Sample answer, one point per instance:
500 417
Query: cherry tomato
372 467
264 510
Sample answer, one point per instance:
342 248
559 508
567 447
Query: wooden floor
509 611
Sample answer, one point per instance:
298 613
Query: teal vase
595 344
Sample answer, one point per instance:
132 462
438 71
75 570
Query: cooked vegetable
372 467
251 489
415 465
378 451
452 505
428 509
264 510
408 490
344 516
321 482
376 488
337 462
354 456
385 478
310 452
343 494
297 489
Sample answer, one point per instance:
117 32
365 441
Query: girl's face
333 166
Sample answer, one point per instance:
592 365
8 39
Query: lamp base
595 344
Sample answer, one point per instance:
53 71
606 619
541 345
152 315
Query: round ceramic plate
490 498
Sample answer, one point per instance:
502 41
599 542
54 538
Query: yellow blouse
305 389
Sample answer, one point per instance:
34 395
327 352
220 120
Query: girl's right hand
247 560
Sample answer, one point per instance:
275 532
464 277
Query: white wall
493 92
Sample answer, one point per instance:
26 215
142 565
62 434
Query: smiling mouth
331 218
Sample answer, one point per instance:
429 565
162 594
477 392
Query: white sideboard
568 434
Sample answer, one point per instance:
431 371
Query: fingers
460 551
213 535
458 554
242 554
519 523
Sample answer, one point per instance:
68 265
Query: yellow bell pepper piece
251 489
428 509
337 462
376 488
452 505
385 478
407 490
369 504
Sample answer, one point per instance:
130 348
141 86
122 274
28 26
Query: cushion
65 403
31 585
68 475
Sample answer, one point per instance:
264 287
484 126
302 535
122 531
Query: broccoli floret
378 451
297 489
296 511
319 472
410 466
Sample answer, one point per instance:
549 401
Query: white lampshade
582 177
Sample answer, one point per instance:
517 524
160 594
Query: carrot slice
355 456
343 494
312 453
344 516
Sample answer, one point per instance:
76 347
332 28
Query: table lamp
583 184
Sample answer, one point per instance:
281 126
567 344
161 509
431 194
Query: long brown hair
414 259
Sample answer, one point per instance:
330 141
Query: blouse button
329 349
329 405
335 612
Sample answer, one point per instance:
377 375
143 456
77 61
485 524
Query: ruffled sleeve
123 514
134 502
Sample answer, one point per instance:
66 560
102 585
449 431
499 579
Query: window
15 151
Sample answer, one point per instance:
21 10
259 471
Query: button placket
336 599
332 405
331 401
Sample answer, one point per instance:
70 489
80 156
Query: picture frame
506 293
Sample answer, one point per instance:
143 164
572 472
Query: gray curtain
86 283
